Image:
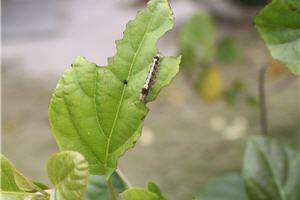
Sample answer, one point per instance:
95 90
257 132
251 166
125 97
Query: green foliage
228 187
279 26
153 193
228 50
198 40
271 170
8 182
152 187
68 171
14 185
97 188
96 110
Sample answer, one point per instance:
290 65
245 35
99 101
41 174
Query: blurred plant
198 41
279 26
239 91
200 48
270 172
228 50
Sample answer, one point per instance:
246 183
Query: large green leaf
96 110
153 193
228 187
68 171
271 171
279 25
97 187
198 40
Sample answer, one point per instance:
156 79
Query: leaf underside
97 188
271 171
228 187
96 110
279 25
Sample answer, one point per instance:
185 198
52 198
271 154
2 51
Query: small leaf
68 171
279 26
40 185
97 111
97 188
152 187
198 40
276 70
271 171
228 187
153 193
210 84
138 194
23 183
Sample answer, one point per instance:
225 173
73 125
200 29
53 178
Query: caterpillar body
150 78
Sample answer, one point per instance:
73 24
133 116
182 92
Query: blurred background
197 128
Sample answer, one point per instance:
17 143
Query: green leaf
138 194
14 185
228 187
7 174
271 171
279 26
152 187
23 183
228 50
68 171
96 110
153 193
97 188
198 40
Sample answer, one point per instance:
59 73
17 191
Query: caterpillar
150 78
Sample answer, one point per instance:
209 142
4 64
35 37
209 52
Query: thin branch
111 189
262 100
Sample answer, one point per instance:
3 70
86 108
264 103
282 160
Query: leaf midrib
123 91
276 181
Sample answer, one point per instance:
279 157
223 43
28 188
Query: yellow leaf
210 84
276 70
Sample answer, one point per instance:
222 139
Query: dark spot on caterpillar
125 82
72 65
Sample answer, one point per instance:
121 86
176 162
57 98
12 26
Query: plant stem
111 189
124 179
262 100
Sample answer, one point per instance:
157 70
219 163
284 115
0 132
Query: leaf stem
124 179
262 100
111 189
